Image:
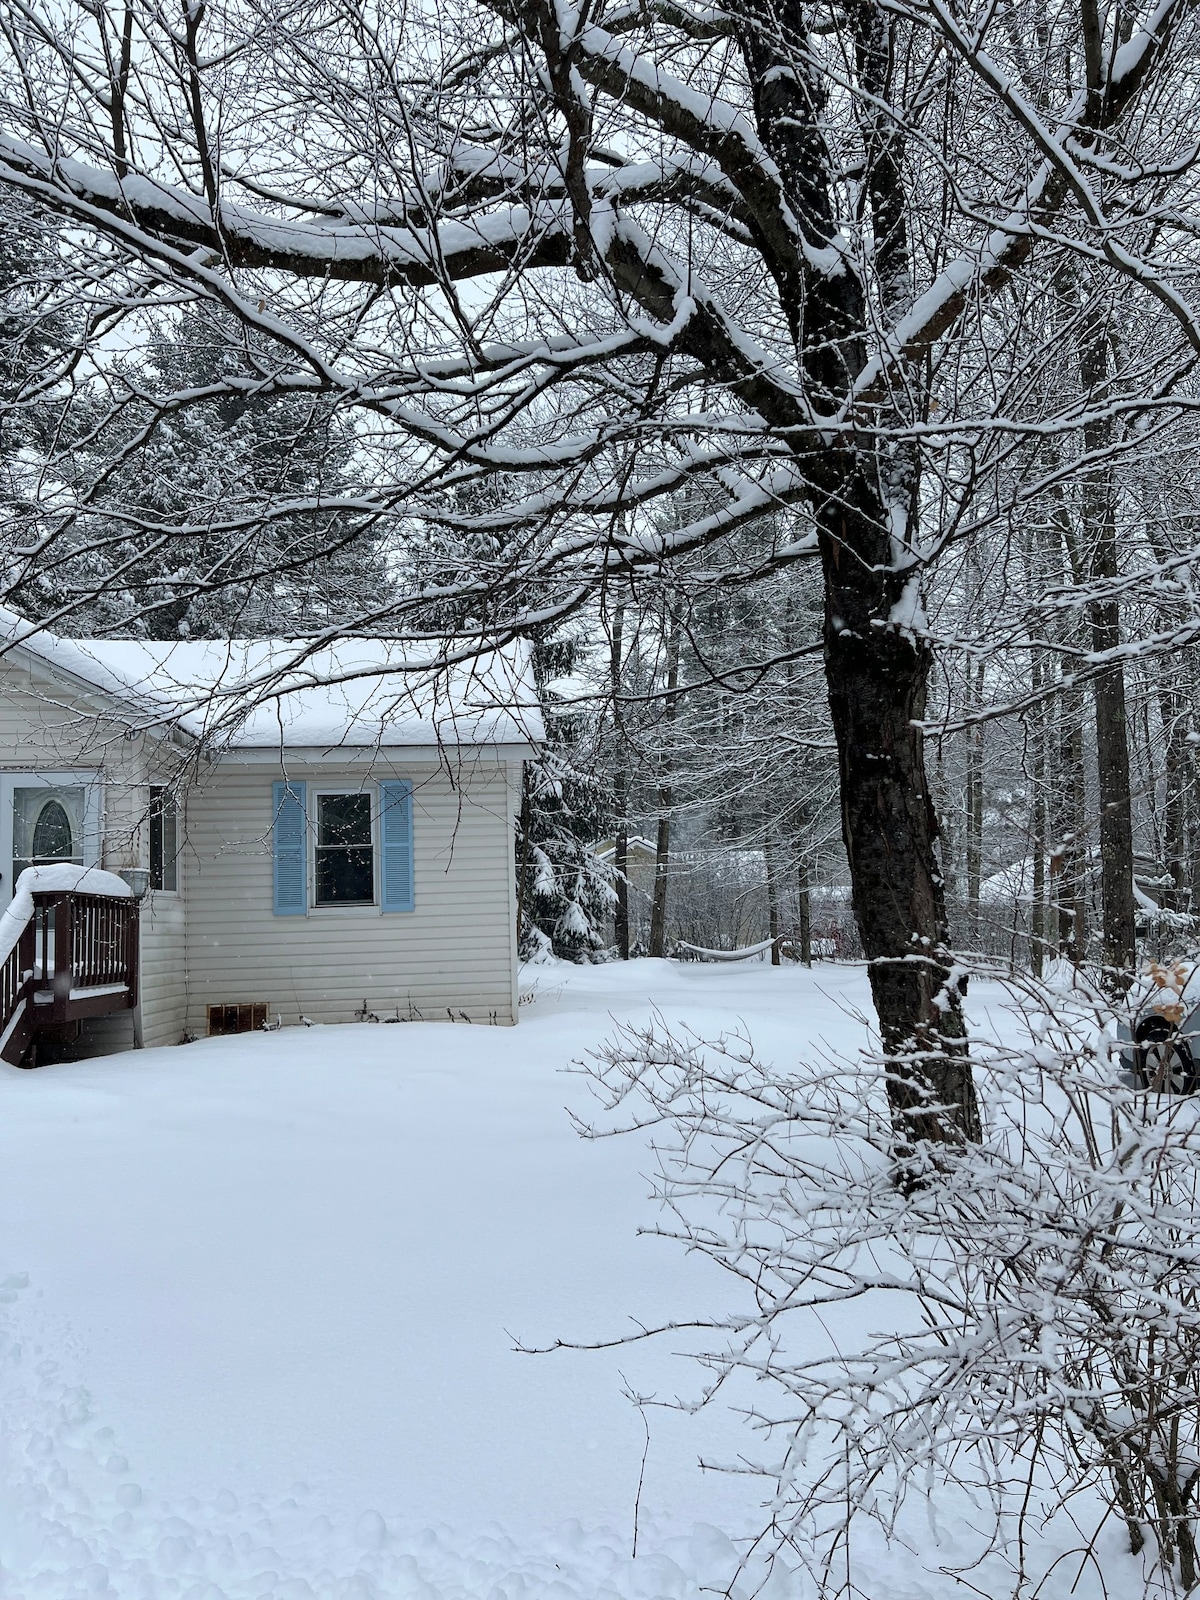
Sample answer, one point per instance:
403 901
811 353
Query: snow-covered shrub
1035 1299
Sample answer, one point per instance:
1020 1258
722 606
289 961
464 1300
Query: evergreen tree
41 324
564 893
166 540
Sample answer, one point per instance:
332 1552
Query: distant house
297 838
641 862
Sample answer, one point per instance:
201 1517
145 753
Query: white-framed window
164 839
343 847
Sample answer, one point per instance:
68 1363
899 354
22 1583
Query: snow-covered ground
262 1296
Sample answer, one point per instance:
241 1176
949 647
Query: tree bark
1173 711
974 809
621 870
1175 704
1067 862
1118 936
804 911
1037 909
666 797
662 869
1037 823
620 793
772 897
1116 813
877 674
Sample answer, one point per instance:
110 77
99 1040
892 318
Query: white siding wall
163 995
454 953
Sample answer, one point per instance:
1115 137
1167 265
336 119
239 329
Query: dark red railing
77 957
15 972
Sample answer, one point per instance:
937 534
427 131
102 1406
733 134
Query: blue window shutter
290 848
396 845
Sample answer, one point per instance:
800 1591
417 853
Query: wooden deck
77 957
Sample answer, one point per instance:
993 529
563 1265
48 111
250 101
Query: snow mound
64 876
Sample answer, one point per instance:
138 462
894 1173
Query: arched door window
47 826
52 839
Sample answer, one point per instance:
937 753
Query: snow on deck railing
62 878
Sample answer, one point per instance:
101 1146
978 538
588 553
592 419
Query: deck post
132 948
27 955
64 955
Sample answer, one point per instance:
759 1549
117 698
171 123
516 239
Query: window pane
344 819
345 875
164 845
52 834
345 859
170 872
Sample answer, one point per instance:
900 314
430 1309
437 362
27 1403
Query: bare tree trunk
1119 942
974 807
878 675
662 865
1068 807
804 906
1173 711
621 868
620 792
1037 827
1037 909
1067 833
1116 812
666 798
772 897
948 813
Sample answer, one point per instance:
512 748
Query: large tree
598 252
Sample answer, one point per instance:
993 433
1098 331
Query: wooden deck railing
77 957
16 979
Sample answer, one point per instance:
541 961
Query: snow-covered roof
272 693
636 845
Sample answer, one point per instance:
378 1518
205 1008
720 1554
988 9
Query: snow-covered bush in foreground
1023 1327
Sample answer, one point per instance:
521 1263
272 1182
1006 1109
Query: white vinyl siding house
367 874
333 962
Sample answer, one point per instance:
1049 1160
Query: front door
47 817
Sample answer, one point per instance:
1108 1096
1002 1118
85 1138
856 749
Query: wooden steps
76 958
